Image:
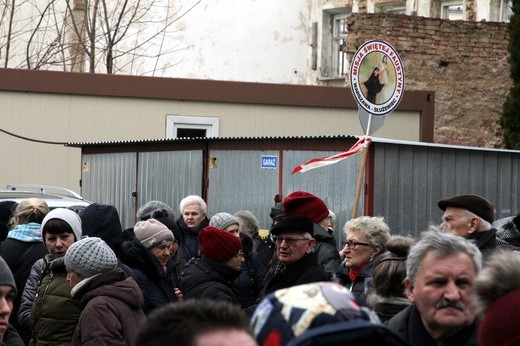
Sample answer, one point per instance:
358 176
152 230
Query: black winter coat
486 241
407 324
204 278
326 252
304 271
361 286
20 256
156 284
189 243
252 277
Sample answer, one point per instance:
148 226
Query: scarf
353 274
28 232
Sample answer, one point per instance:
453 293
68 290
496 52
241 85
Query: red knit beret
305 203
475 204
501 323
218 245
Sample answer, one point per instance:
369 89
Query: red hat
501 322
306 204
218 245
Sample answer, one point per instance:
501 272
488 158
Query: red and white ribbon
329 160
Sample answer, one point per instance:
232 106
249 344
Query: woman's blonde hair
31 210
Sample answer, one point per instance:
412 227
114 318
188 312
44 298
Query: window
339 40
451 10
506 10
191 126
397 8
334 62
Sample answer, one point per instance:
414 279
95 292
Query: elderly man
441 270
307 204
297 262
470 216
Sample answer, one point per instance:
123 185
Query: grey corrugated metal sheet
410 179
237 182
335 184
169 176
110 179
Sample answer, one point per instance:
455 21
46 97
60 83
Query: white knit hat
90 256
152 232
67 215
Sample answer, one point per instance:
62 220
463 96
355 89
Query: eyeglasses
240 254
288 241
354 244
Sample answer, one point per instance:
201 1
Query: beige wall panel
69 118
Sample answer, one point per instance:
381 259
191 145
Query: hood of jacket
113 284
102 220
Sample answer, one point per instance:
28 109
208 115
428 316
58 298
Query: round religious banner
377 77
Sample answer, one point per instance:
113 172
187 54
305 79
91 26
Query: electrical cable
31 139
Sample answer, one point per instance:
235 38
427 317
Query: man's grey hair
483 224
191 200
443 244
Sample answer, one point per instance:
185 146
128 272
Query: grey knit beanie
90 256
6 276
223 221
152 233
67 215
155 210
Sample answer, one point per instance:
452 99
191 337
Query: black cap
475 204
295 223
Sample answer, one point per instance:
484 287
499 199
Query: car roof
56 197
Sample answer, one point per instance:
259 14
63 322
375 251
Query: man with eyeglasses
307 204
297 262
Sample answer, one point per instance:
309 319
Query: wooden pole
361 172
359 184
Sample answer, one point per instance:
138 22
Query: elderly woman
147 252
366 238
193 219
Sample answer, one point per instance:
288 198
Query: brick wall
464 63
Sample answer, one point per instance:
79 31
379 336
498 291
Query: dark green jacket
54 313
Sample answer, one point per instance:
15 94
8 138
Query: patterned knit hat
90 256
152 233
6 276
66 215
290 313
218 245
155 209
305 203
223 220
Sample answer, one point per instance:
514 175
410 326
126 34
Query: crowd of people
76 277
